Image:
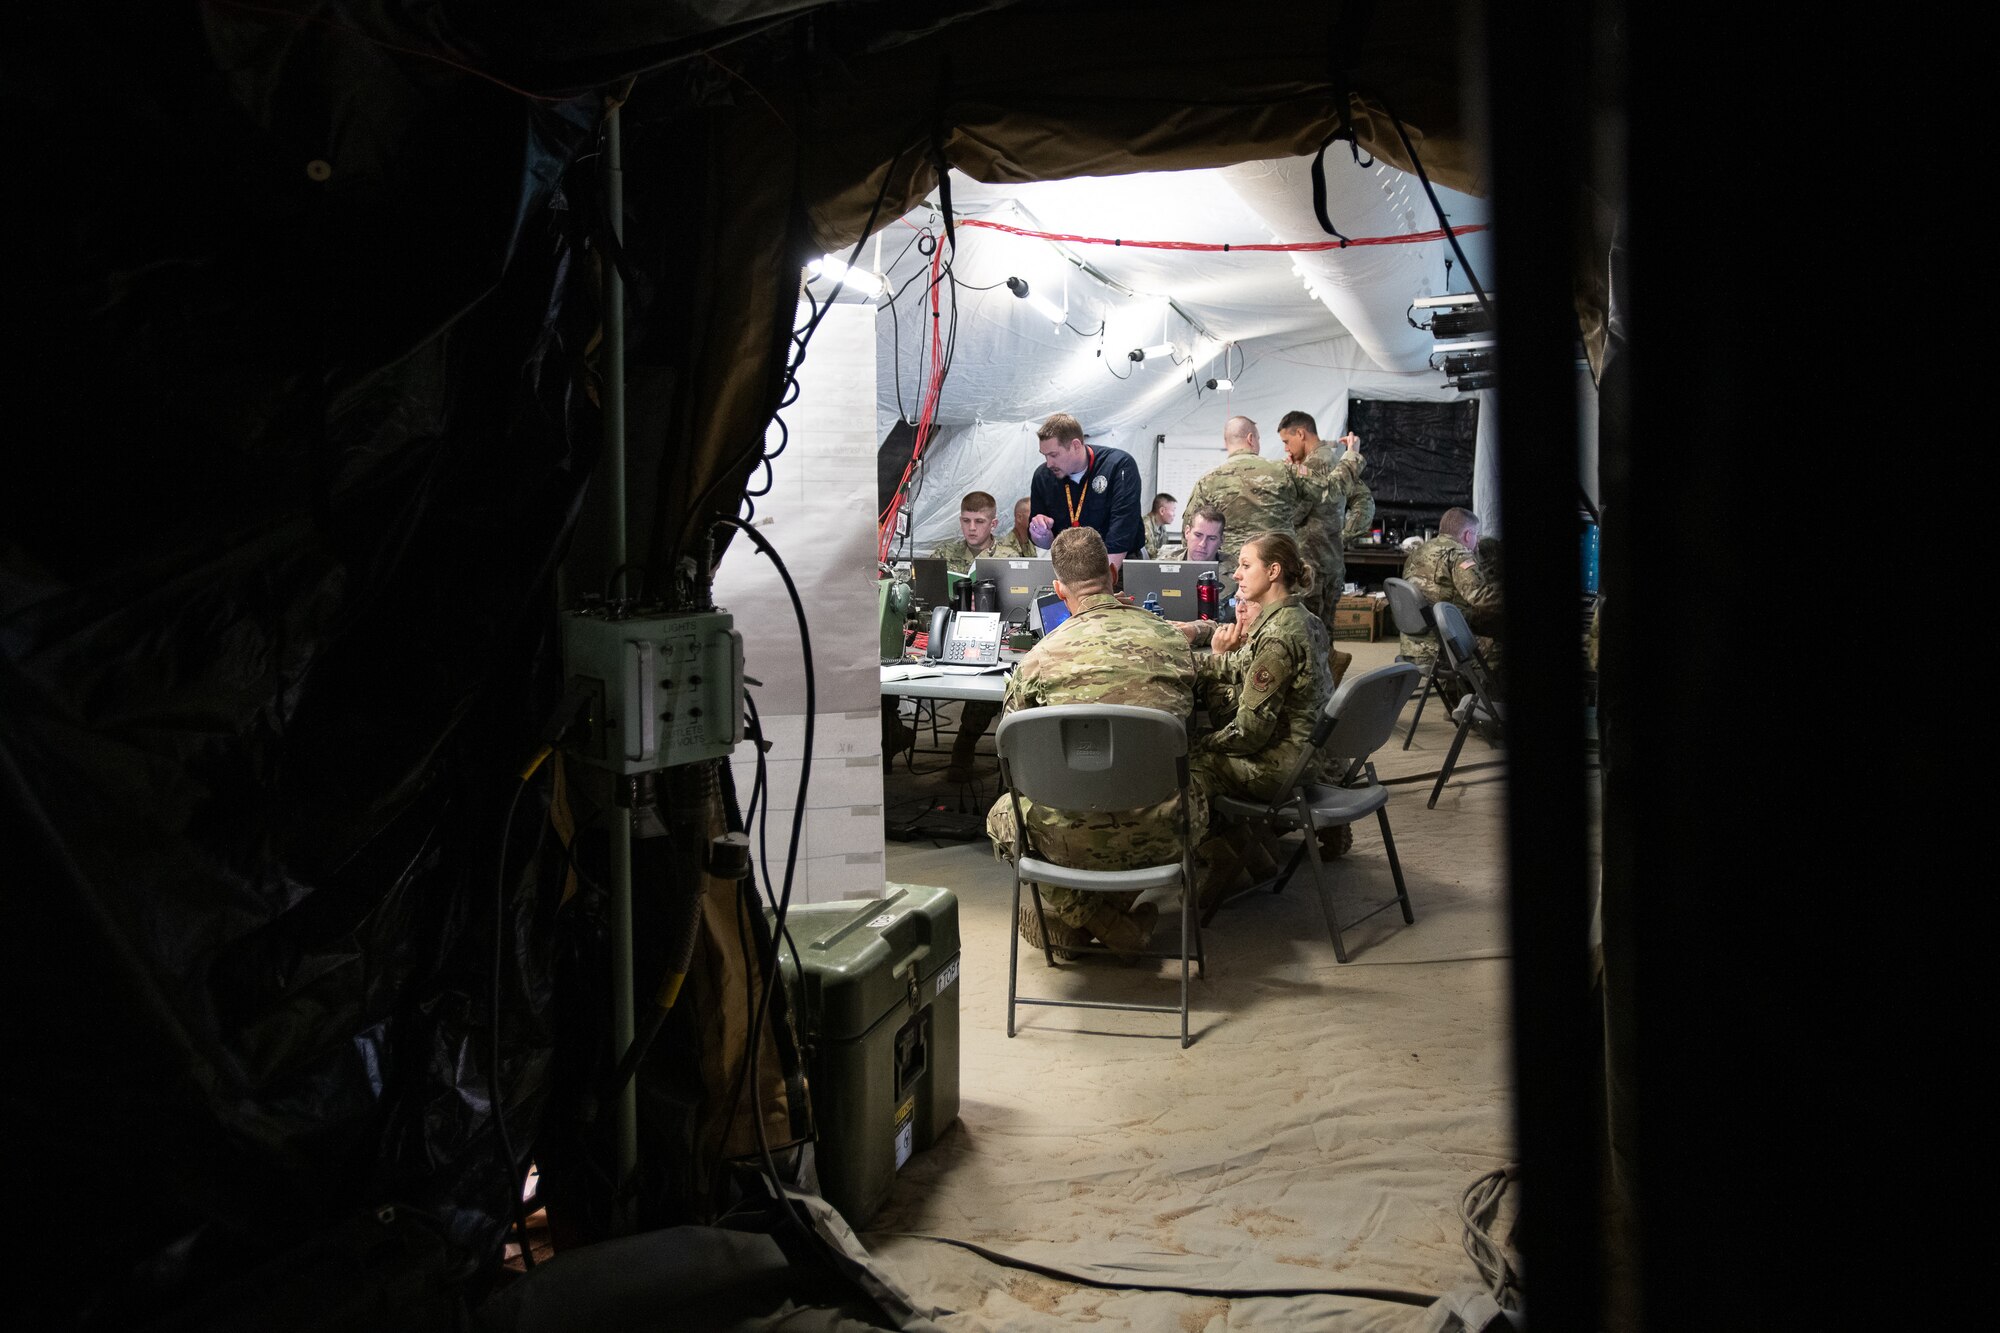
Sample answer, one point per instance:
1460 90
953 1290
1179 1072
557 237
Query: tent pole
623 1028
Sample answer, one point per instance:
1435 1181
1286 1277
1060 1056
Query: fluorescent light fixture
1463 345
836 270
1224 385
1036 301
1439 302
1156 350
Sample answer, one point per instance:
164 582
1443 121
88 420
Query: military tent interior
368 342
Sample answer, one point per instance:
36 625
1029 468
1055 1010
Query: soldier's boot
1258 863
1124 933
965 765
1221 873
1341 661
1063 937
1335 842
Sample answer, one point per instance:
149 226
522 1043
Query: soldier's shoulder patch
1260 678
1467 564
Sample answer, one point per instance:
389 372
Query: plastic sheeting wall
818 515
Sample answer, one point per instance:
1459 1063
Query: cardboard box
1359 618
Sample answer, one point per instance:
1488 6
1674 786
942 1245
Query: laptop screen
1052 611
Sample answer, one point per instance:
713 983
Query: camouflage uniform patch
1017 548
1360 512
958 555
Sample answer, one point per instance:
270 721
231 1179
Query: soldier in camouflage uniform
1106 652
976 514
1360 510
1445 569
1159 524
1016 544
1263 689
1255 494
1336 473
975 527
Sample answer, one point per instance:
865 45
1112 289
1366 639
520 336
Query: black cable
788 393
612 577
516 1176
1395 1294
896 361
758 540
1431 193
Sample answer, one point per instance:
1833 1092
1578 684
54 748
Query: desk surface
992 689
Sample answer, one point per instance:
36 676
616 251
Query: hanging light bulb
1223 384
1156 350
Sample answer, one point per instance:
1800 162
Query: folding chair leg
1396 867
1430 683
1014 952
1451 758
1041 924
1311 852
1187 918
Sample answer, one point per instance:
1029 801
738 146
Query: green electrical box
875 987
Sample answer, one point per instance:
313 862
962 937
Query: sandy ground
1317 1134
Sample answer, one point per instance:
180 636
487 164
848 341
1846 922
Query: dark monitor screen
931 581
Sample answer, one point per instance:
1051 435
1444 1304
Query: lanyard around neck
1076 503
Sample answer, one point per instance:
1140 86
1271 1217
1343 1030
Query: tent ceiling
1011 363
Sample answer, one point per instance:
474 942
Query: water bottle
1590 553
1207 595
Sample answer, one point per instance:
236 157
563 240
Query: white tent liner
1246 316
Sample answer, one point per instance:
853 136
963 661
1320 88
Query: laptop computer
1018 582
1172 581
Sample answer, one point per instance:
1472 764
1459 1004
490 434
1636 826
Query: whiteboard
1183 460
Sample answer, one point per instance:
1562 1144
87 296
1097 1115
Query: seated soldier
1107 653
976 513
975 528
1446 569
1016 543
1263 689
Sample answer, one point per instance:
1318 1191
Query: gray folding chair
1478 707
1357 721
1097 758
1412 614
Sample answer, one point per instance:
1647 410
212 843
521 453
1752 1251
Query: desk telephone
965 638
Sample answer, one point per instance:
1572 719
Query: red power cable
1411 238
926 414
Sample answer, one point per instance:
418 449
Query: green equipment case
874 985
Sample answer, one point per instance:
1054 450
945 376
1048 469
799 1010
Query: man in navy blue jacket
1085 487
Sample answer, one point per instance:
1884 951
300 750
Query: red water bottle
1207 596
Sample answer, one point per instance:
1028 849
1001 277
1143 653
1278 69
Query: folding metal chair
1412 614
1357 721
1478 707
1097 758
